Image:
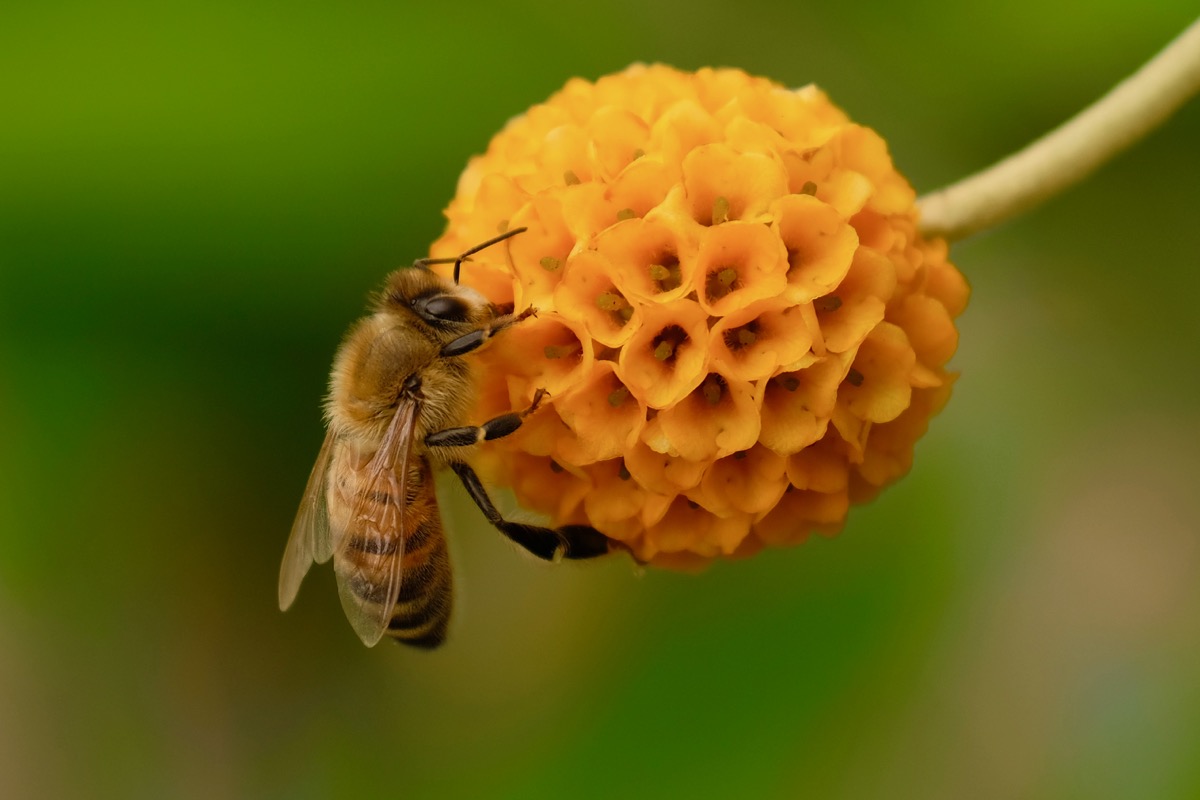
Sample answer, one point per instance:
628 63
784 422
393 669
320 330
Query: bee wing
310 540
377 531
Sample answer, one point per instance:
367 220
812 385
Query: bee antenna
494 240
424 263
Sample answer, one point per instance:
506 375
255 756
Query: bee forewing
376 533
310 538
369 583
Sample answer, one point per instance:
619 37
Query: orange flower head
740 327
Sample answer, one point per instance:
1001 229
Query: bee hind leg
550 544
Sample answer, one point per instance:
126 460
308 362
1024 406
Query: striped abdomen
421 611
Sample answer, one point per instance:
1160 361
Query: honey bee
399 393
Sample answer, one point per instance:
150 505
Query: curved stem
1069 153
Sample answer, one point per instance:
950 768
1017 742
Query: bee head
431 299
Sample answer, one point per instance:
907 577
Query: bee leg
478 337
494 428
569 541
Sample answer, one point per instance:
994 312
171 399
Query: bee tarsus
549 544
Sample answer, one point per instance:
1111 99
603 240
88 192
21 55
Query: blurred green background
195 199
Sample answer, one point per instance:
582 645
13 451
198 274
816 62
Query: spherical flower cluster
739 326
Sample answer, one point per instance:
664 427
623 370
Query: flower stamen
616 305
618 396
668 340
666 273
611 301
720 211
746 335
719 283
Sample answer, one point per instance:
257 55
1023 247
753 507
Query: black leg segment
475 339
569 541
494 428
465 343
468 435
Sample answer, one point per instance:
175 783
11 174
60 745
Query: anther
720 211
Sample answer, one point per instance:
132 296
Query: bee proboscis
400 393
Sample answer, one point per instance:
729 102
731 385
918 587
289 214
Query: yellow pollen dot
720 211
720 282
611 301
746 336
667 273
550 263
668 341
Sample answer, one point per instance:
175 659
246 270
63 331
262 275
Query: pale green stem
1070 152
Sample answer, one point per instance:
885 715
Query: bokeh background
195 199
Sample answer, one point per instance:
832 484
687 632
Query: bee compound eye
443 307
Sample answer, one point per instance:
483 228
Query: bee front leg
550 544
475 339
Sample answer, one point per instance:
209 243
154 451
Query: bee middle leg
569 541
494 428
